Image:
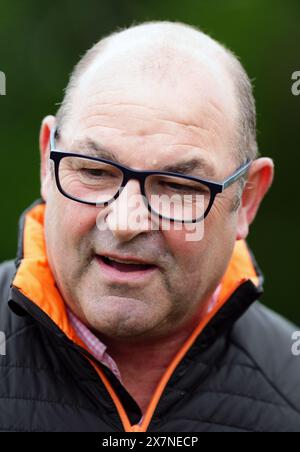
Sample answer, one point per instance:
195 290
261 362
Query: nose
128 215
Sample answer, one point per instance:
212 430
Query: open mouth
125 267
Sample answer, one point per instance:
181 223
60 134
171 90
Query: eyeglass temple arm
237 175
52 137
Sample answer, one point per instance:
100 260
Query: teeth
121 262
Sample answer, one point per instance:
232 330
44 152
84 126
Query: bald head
179 58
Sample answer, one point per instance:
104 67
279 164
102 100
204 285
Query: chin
120 317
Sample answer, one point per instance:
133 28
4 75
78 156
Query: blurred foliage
41 41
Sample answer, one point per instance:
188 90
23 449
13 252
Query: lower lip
115 275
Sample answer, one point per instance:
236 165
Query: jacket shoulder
9 323
7 271
265 338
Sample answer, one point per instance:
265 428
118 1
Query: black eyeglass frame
128 173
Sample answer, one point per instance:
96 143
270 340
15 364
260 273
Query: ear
44 140
260 178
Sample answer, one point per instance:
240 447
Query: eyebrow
188 166
183 167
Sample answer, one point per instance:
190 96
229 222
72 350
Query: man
120 325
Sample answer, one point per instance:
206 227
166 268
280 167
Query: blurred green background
41 41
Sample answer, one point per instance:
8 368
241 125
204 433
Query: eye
184 188
174 185
92 172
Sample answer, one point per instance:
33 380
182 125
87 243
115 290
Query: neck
142 364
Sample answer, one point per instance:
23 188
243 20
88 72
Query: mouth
124 271
125 266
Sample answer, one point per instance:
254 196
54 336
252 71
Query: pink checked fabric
95 346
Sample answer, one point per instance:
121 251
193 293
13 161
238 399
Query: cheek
185 246
77 220
67 223
210 249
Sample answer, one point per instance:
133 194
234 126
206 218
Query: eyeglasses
172 196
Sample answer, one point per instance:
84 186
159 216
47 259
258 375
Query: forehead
192 162
150 117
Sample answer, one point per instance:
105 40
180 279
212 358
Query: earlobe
260 179
242 225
